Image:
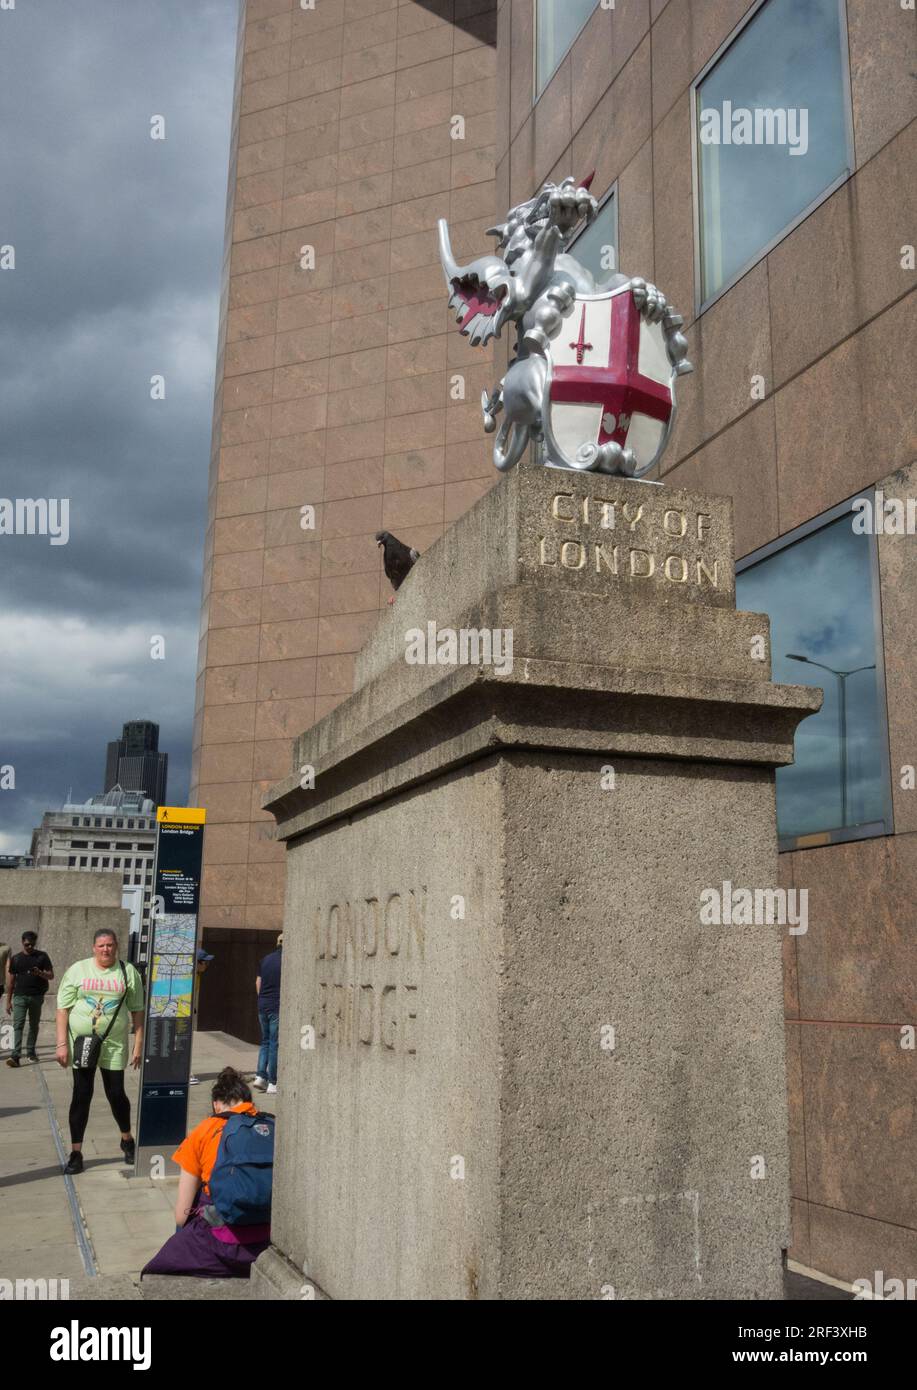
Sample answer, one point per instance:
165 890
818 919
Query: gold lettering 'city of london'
629 559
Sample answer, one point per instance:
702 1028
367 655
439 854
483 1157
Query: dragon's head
559 204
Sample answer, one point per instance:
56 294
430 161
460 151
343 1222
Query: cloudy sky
118 246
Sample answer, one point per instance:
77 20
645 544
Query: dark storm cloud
118 241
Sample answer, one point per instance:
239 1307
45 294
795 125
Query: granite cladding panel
338 377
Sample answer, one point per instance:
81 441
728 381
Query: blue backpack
240 1184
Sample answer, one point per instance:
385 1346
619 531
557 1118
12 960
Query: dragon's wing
475 290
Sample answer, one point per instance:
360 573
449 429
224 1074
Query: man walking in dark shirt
27 976
267 986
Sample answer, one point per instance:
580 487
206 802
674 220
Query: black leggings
83 1086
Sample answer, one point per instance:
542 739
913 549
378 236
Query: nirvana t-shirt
92 995
21 967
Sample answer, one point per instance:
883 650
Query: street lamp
842 716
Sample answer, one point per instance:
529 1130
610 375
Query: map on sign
172 980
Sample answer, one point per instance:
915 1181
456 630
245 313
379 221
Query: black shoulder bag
88 1049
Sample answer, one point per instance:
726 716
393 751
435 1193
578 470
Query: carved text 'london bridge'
369 958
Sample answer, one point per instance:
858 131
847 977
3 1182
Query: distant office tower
135 763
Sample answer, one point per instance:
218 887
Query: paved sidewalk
120 1220
123 1220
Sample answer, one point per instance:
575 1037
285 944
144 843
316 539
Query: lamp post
842 716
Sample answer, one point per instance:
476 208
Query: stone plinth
515 1062
66 910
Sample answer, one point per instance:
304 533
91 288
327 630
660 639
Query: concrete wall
65 910
479 1040
469 906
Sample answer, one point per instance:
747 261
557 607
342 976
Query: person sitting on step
223 1210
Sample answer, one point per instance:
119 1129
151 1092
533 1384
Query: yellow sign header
181 815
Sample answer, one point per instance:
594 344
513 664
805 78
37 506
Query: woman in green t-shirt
87 1002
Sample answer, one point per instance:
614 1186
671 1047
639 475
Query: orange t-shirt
198 1152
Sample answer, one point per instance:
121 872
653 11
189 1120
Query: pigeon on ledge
397 559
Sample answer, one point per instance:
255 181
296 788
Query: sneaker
194 1080
74 1163
259 1083
129 1149
272 1089
33 1057
12 1061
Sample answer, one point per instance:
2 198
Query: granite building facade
347 402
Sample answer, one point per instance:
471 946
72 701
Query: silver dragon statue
603 401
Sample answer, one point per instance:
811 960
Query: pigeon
397 559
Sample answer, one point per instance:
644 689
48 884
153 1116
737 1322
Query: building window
819 586
557 23
772 134
95 862
105 863
597 247
75 821
79 844
71 862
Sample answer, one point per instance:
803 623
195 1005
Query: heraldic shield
610 380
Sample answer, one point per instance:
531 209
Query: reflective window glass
772 132
820 595
557 24
597 247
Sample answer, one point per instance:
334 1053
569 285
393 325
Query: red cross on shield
613 381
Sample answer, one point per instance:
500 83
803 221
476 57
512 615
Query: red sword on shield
581 346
